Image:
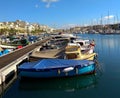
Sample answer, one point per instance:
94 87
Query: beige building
24 26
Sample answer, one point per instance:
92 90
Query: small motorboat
51 49
74 52
10 48
84 45
4 51
48 68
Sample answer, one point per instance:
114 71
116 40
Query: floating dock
9 62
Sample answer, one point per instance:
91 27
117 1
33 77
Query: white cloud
49 2
67 26
109 17
36 6
48 5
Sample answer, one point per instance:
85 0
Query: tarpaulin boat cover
54 63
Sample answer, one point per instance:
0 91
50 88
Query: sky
60 13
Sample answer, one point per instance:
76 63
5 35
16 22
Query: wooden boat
19 42
89 49
84 44
52 49
1 48
1 51
11 48
48 68
74 52
4 51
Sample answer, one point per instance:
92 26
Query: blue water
104 84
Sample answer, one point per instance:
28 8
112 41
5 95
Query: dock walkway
9 58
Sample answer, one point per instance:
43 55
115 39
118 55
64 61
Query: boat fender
66 74
85 65
90 63
68 69
58 71
96 56
76 69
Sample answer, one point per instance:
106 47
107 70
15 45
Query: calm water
104 84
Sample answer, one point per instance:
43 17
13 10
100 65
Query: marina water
104 84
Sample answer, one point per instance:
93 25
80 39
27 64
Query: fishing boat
10 48
74 52
1 51
4 51
84 44
89 49
48 68
52 49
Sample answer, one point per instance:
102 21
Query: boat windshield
71 49
71 56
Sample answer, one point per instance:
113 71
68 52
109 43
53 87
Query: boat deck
52 53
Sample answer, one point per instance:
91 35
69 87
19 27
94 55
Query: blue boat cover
54 63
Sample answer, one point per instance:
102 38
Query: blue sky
60 13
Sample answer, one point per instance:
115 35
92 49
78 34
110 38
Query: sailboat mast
117 18
108 18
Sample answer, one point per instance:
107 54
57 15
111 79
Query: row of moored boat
62 56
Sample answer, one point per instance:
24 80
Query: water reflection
9 80
66 84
